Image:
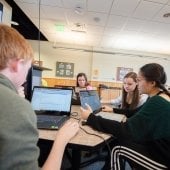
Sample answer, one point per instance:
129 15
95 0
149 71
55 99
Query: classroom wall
112 61
99 64
7 13
49 55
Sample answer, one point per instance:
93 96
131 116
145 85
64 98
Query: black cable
108 147
92 133
99 137
74 117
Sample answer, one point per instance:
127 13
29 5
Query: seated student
130 101
82 83
148 131
18 130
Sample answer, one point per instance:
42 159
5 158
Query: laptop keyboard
50 122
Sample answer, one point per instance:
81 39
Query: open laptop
91 97
75 100
52 106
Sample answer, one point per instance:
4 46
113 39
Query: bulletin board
64 69
121 72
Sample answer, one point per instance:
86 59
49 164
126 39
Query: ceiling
119 24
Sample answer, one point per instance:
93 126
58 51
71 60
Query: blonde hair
13 46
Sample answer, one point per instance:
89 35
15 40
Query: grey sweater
18 131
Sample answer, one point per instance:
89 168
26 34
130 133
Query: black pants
139 157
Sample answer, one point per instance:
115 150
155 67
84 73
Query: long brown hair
135 97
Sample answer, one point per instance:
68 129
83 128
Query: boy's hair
13 46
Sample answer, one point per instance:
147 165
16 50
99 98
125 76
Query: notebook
52 106
91 97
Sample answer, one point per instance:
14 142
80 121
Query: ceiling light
166 15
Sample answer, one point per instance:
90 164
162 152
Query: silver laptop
52 106
91 97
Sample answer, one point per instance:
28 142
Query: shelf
41 68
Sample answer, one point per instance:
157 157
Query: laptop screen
75 97
90 97
51 99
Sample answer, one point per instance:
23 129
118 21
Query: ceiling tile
27 1
127 39
99 5
109 42
52 3
49 37
134 24
73 17
159 17
147 10
116 21
98 19
30 9
159 1
124 7
67 37
95 29
74 3
108 31
93 42
155 28
54 13
44 2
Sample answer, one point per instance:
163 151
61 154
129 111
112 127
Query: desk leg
76 159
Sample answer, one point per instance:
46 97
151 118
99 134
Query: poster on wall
121 72
64 69
95 73
1 11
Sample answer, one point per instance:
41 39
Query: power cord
73 115
99 137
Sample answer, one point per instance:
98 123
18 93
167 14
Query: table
82 141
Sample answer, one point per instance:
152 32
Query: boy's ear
13 65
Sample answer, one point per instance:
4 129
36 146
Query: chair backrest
109 93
